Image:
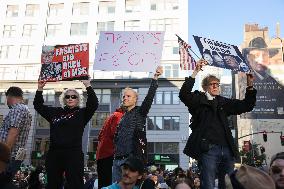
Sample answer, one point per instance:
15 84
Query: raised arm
38 103
148 100
92 100
186 95
247 104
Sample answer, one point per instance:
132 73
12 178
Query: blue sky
223 20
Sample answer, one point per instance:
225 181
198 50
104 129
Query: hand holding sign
41 84
199 64
87 82
159 71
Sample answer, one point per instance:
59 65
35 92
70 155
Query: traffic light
262 149
264 134
282 139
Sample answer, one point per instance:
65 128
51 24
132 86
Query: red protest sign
65 62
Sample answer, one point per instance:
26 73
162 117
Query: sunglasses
276 170
70 96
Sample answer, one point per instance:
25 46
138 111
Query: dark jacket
130 138
200 110
67 125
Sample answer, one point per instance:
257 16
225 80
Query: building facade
28 25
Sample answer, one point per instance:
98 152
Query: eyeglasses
276 170
72 97
215 84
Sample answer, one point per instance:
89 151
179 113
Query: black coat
200 110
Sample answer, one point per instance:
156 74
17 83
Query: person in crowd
247 177
14 131
130 138
196 183
66 129
276 170
132 172
182 183
214 147
105 149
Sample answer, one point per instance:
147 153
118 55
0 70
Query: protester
182 183
132 172
214 147
130 138
276 170
196 183
14 131
105 149
66 129
248 177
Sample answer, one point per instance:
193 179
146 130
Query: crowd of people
122 148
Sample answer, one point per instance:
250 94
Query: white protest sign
139 51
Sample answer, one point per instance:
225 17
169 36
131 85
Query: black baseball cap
279 155
134 164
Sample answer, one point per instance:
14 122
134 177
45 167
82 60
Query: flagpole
189 47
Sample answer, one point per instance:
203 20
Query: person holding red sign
66 130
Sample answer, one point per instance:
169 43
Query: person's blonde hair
63 100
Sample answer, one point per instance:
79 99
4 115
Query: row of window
168 123
81 29
166 97
83 8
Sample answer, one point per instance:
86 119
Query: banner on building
65 62
221 54
268 68
139 51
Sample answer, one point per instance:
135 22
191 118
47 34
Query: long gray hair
62 97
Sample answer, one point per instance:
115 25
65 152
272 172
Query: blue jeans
116 170
218 161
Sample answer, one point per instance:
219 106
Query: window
29 30
9 31
175 97
106 7
2 98
26 51
170 70
105 26
12 10
103 95
48 95
32 10
26 98
79 29
132 6
81 8
166 97
169 123
6 51
53 30
99 119
163 147
167 24
162 5
56 9
132 25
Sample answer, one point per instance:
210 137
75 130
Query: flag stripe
187 62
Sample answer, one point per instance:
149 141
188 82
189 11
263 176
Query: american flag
187 62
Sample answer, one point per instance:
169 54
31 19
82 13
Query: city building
28 25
